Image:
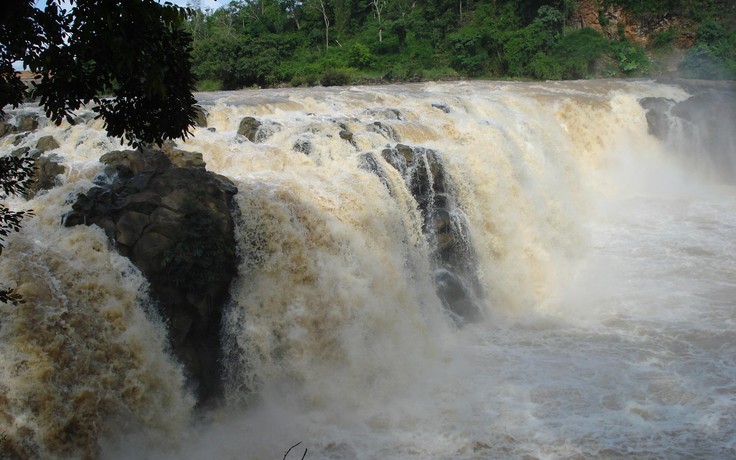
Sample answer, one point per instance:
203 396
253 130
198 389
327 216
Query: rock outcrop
200 116
444 227
24 123
47 167
256 130
172 218
699 125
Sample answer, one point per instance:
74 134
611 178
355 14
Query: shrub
335 77
663 38
629 58
468 55
710 32
705 61
360 56
209 85
545 67
578 51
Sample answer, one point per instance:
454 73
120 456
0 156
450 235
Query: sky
212 4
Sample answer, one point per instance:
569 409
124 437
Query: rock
385 130
175 224
302 146
27 122
129 163
707 128
6 128
700 125
186 159
443 225
657 109
181 158
200 117
708 106
20 152
19 138
47 171
47 143
443 107
257 131
249 128
388 114
346 135
456 297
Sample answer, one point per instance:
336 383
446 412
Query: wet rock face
174 223
700 125
384 130
657 109
257 131
200 116
444 226
47 167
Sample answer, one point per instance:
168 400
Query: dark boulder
5 128
27 122
303 146
456 296
174 223
257 131
249 128
47 143
658 109
346 135
700 129
24 123
48 168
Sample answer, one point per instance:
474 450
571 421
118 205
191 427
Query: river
599 264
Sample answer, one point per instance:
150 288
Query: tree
15 176
378 6
136 51
322 7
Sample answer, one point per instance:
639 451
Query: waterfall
398 246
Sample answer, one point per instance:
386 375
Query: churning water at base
605 276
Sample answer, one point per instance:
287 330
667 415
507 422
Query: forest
267 43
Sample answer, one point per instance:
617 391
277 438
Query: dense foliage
272 42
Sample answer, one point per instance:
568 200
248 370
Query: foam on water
607 270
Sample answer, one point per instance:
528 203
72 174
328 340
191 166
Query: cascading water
455 270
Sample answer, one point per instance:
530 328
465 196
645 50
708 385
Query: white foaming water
608 275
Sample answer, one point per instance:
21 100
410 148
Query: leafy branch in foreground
137 51
16 174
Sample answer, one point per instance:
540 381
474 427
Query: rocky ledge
172 219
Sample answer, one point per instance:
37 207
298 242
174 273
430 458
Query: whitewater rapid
605 264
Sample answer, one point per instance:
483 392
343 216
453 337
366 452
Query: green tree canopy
134 50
